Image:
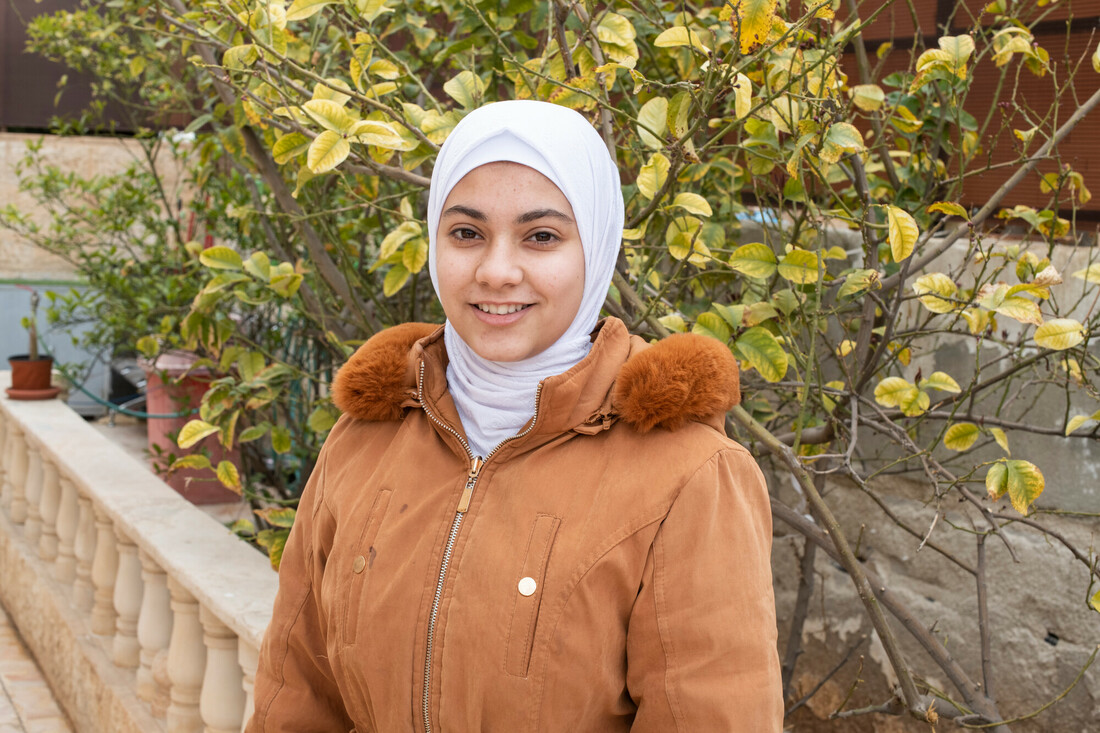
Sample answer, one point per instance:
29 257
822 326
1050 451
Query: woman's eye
544 237
464 233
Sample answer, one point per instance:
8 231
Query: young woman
527 520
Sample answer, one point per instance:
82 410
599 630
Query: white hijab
495 399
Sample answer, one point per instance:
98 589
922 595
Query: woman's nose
499 267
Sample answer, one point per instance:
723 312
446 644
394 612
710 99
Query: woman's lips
500 318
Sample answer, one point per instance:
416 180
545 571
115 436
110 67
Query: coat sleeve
701 641
295 689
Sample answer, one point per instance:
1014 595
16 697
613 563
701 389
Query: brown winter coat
608 568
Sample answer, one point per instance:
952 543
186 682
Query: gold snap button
360 563
527 586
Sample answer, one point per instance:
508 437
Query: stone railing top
231 579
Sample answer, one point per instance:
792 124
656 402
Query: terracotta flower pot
30 380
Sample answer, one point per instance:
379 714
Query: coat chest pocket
362 561
528 588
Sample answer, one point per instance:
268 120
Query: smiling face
509 261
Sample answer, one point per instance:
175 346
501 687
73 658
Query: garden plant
790 192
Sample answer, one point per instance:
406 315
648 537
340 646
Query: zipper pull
471 481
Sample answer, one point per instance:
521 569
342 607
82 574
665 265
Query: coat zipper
476 464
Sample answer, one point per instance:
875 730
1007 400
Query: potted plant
31 373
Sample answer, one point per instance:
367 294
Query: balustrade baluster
32 490
186 662
84 549
104 570
68 514
154 628
127 597
16 475
222 702
48 507
249 658
5 491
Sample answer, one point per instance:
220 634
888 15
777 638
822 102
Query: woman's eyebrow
466 211
537 214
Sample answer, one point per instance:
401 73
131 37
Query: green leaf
467 89
903 233
289 146
329 115
1001 438
194 431
755 260
860 281
220 258
673 322
302 9
948 207
148 346
942 381
692 203
653 122
229 476
195 461
328 150
711 324
799 266
321 420
280 439
680 36
759 347
961 436
1060 334
653 175
255 432
250 364
1021 480
841 138
933 289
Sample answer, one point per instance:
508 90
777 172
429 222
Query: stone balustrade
144 613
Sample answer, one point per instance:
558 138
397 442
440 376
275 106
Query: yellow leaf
914 402
680 36
960 436
1020 309
711 324
1077 421
799 266
653 175
755 260
841 138
948 207
943 382
467 89
329 114
868 97
1089 274
289 146
903 233
757 18
1001 438
1096 68
194 431
845 347
1060 334
693 203
328 150
653 122
221 257
229 476
302 9
334 90
742 96
382 134
892 390
673 322
933 290
1022 480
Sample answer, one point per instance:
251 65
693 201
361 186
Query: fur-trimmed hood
683 378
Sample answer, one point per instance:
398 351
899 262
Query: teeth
499 310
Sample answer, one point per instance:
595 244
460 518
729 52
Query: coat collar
685 377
